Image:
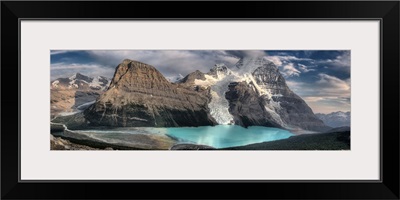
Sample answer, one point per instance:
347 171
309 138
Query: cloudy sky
321 78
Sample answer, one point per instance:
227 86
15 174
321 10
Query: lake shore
146 138
316 141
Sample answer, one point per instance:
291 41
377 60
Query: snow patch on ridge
55 83
97 84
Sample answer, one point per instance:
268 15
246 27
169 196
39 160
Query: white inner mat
39 37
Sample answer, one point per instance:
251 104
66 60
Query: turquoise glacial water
221 136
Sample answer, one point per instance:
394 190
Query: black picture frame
386 11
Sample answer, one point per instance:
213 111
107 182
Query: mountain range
79 81
335 119
72 93
252 93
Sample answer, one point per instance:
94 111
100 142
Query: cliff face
247 107
139 95
265 99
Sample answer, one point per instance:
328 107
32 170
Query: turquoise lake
221 136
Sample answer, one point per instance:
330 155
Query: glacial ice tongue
219 105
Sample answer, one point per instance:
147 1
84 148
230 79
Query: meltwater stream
219 136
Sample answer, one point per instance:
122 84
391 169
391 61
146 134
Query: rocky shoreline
57 143
65 139
117 141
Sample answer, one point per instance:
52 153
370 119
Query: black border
387 12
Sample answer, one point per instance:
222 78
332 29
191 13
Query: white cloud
282 59
289 70
304 68
327 94
168 62
61 66
334 86
341 62
63 70
275 59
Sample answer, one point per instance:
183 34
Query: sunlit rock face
139 95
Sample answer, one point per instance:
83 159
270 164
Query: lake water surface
219 136
228 135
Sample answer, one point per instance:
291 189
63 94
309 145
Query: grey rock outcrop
190 78
247 107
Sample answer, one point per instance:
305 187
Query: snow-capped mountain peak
255 72
251 63
80 81
255 88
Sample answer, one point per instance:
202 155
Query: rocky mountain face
251 93
262 97
139 95
71 94
335 119
247 107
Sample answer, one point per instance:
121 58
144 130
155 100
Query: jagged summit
250 63
190 78
130 74
79 76
219 70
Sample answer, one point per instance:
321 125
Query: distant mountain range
81 82
72 94
335 119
